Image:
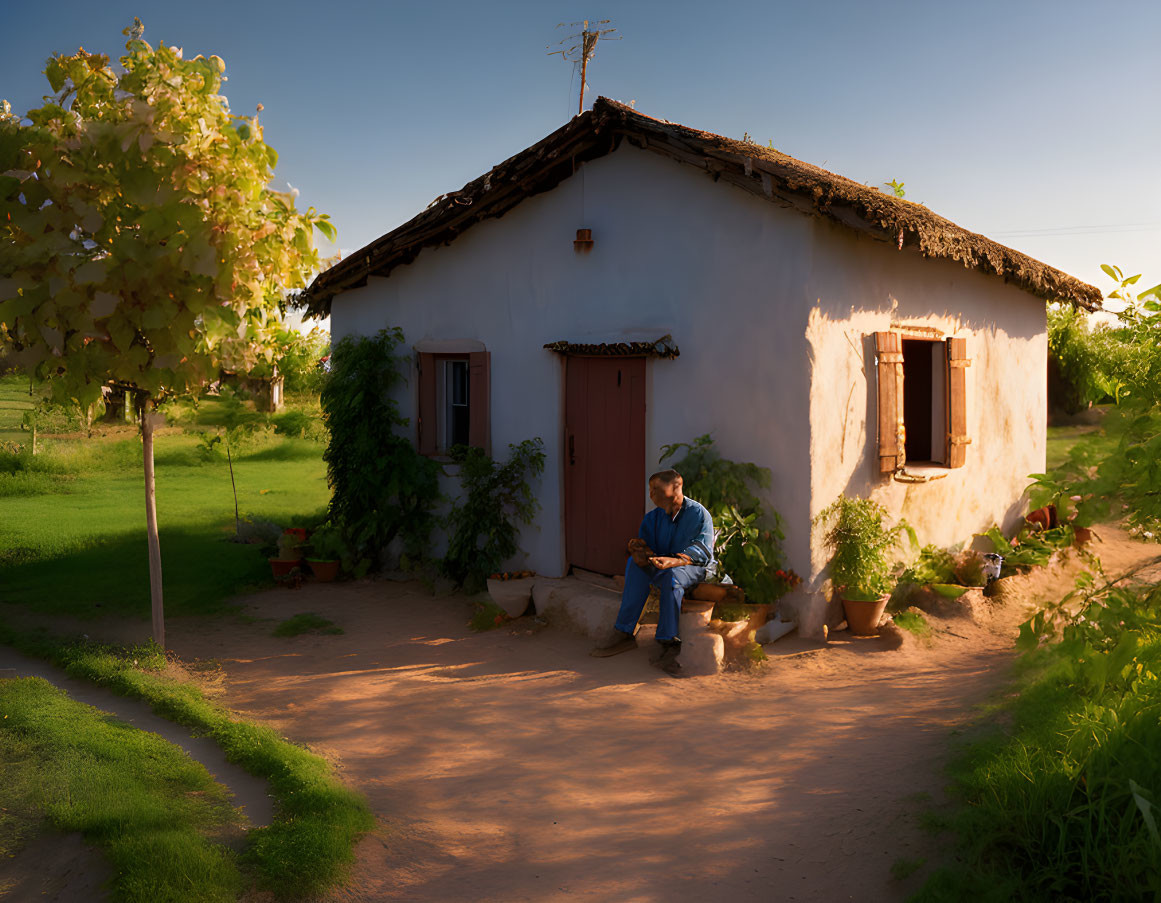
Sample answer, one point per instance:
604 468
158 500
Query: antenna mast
583 48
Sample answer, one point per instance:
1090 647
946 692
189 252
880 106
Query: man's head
665 489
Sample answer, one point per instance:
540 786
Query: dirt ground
510 765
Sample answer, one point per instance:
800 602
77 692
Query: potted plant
327 548
288 557
860 544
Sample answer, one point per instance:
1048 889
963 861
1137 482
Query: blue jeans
672 583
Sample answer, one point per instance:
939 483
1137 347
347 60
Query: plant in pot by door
288 557
327 548
861 547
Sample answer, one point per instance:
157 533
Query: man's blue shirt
690 533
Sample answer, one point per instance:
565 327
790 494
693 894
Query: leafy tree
141 240
1099 478
298 358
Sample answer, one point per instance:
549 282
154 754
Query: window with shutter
957 433
479 434
453 401
922 398
892 438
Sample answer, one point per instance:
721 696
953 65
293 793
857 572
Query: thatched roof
765 172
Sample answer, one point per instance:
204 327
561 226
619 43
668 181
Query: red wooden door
604 483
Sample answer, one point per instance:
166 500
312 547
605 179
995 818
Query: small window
925 401
922 401
453 396
455 393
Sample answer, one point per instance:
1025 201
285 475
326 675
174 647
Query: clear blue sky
1035 123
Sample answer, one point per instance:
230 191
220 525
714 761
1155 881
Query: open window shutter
427 405
479 364
957 437
889 351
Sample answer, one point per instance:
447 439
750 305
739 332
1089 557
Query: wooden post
580 107
155 594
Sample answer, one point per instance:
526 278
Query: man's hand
640 552
664 563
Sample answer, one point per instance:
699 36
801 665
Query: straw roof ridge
763 171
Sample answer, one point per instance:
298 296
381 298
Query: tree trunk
155 594
233 485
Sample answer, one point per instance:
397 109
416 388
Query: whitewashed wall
752 293
861 287
723 272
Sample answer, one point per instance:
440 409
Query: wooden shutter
957 433
479 365
892 438
428 429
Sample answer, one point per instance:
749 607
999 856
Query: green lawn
72 530
156 814
1061 440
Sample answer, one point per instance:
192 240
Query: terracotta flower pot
863 617
324 571
282 566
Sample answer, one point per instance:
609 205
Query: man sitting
673 551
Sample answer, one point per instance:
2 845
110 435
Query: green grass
307 622
1061 439
310 845
913 622
155 813
1058 794
72 538
903 868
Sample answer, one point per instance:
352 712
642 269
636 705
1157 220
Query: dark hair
668 477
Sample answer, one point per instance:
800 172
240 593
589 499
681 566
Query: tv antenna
583 47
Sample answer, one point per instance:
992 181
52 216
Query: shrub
747 534
497 498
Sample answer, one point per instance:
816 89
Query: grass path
157 815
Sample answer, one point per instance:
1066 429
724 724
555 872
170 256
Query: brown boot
667 660
621 642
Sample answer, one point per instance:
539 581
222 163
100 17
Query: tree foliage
142 241
382 487
1098 479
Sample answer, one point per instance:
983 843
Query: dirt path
509 766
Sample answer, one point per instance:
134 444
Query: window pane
457 418
460 423
459 392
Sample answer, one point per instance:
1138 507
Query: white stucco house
628 282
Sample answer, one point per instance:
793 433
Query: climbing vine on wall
382 487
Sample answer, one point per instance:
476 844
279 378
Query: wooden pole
155 594
584 65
